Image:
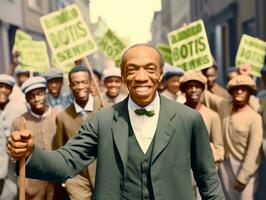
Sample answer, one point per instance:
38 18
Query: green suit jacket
181 143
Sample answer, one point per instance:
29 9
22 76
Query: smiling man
145 145
40 120
113 82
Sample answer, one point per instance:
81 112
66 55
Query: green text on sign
251 51
190 48
68 35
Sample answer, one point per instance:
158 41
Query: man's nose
141 75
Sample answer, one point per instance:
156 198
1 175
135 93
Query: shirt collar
154 105
88 106
44 115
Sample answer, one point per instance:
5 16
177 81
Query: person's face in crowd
142 73
54 86
240 95
173 84
193 91
211 75
37 100
5 91
231 75
113 85
80 86
22 77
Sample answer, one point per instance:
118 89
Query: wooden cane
22 169
87 63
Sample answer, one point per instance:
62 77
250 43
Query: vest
138 181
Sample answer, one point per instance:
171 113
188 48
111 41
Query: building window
249 27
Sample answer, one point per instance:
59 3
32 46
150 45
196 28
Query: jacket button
122 184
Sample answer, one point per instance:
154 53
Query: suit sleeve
69 160
202 162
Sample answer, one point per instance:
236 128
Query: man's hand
20 144
239 186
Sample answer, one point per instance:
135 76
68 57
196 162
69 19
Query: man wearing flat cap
56 98
171 76
113 82
9 110
242 131
40 119
192 84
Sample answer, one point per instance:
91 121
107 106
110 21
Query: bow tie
143 111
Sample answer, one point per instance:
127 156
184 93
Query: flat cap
33 83
53 73
110 72
19 70
192 76
7 79
169 70
242 80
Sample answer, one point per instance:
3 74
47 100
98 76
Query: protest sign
68 35
20 35
65 68
109 43
190 48
251 51
166 52
33 55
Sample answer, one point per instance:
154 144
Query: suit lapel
121 130
164 130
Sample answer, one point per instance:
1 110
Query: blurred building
225 22
25 14
173 15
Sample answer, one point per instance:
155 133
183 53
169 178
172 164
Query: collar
88 106
44 115
154 105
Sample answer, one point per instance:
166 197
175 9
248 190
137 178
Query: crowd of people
56 109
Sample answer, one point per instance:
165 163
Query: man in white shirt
133 163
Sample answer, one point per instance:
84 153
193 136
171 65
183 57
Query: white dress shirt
83 111
144 127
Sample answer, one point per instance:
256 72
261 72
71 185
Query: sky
128 18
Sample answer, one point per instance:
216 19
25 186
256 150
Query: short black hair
79 68
97 73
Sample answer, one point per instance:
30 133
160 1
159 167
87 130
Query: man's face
142 74
37 100
211 75
173 84
193 91
240 95
22 77
5 91
80 85
54 86
113 85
